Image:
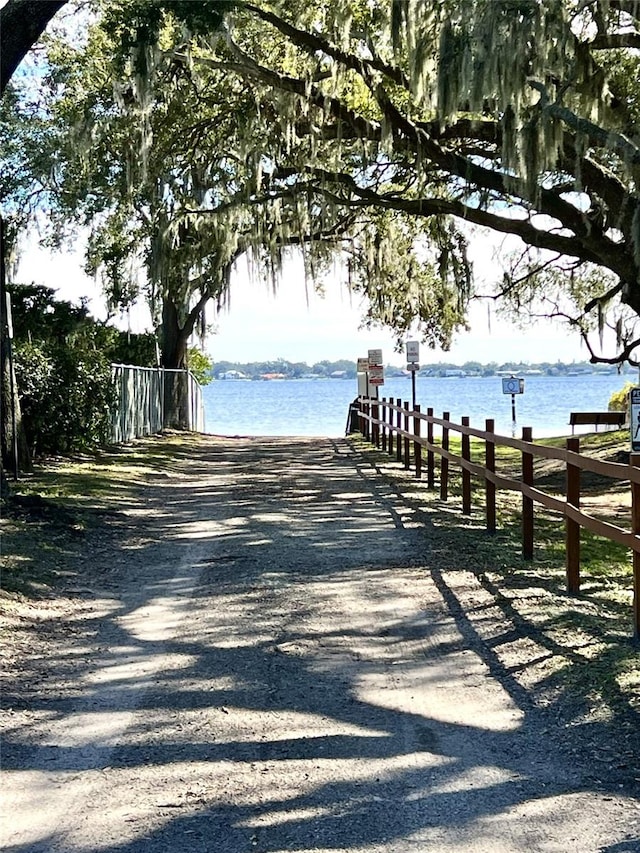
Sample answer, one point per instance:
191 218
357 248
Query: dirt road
271 660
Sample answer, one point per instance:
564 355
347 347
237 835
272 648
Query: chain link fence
150 399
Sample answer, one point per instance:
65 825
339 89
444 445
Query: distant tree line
342 369
346 369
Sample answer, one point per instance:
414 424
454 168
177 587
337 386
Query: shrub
619 400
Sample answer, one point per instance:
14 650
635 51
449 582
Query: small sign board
375 358
634 420
413 366
376 376
363 365
413 351
513 385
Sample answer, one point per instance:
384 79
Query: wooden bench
596 419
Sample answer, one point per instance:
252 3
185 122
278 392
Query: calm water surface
319 406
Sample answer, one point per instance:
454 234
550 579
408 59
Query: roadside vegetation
575 651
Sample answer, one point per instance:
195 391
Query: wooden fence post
375 426
431 474
383 424
490 487
407 446
527 503
635 510
466 475
572 528
391 433
444 462
399 427
417 447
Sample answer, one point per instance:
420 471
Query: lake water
319 407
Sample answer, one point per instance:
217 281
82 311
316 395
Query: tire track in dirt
280 670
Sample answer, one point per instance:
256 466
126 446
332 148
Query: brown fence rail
400 431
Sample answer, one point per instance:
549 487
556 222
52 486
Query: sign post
413 365
634 419
362 371
513 385
376 370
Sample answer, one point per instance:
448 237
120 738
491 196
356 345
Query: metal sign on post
375 358
413 351
362 375
376 376
634 419
413 366
376 371
513 385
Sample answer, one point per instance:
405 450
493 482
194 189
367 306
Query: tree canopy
383 124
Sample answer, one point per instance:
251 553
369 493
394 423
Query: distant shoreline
281 370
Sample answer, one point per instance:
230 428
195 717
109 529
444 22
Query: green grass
585 656
54 510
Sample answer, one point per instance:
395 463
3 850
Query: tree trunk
15 450
174 341
22 22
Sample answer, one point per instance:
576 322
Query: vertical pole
413 389
444 462
635 510
383 419
399 426
407 451
12 385
489 486
417 447
527 503
572 528
513 414
431 474
375 412
391 428
466 475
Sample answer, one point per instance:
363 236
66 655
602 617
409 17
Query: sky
296 324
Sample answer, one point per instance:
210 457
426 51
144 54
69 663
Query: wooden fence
408 434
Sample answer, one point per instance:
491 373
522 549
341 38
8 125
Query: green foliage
63 370
619 400
66 395
201 365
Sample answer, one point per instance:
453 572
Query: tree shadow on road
266 714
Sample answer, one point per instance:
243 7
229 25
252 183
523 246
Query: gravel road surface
270 660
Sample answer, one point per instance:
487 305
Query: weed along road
276 653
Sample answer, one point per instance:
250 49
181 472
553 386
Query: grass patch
581 654
51 512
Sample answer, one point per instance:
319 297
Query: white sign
375 358
363 365
513 385
413 351
413 367
376 376
634 400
